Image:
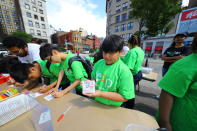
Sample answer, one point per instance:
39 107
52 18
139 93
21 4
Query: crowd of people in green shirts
115 76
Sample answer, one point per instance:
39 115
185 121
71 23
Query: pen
63 114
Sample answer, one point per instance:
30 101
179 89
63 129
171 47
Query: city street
145 99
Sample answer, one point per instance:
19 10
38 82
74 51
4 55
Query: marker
63 114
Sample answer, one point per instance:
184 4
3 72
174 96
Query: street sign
188 21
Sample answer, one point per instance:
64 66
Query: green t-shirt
90 58
54 71
113 78
77 71
134 59
181 82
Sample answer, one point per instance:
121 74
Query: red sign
149 48
188 15
159 48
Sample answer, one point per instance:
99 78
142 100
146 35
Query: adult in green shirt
75 74
114 81
134 59
178 99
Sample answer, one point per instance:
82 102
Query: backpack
85 62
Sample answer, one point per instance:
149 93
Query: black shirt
173 51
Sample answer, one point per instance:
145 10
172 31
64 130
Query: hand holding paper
88 86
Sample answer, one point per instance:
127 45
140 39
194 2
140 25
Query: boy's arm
107 95
69 88
165 107
60 77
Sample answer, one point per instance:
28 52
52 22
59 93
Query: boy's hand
52 90
58 94
44 89
96 94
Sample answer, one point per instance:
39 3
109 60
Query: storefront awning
159 48
149 48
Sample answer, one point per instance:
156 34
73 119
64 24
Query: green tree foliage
155 15
26 37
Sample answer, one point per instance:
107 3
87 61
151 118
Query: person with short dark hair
134 60
178 99
26 52
114 82
175 52
75 74
36 41
7 62
22 72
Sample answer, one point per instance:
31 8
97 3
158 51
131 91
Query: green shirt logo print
107 82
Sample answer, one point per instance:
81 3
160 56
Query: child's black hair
46 50
13 41
112 44
7 62
20 72
97 56
134 40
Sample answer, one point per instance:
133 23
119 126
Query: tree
155 15
26 37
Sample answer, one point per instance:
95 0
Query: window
44 33
41 11
124 6
38 32
32 31
33 1
128 35
37 25
124 17
123 36
123 27
40 3
42 18
110 3
34 9
43 26
119 28
118 8
28 14
36 17
8 21
130 26
30 23
27 6
116 28
117 18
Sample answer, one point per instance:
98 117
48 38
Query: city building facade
192 3
35 18
10 18
121 23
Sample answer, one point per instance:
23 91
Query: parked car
85 52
